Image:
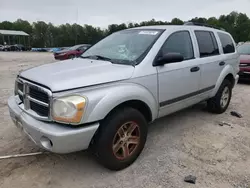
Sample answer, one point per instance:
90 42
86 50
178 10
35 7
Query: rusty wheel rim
126 140
225 97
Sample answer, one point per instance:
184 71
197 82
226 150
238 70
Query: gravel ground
189 142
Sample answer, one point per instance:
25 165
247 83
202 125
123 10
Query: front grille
34 98
39 109
38 95
20 90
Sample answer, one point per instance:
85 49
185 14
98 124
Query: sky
101 13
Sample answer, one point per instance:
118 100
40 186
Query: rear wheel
220 102
121 138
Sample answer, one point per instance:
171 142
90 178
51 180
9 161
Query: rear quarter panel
232 61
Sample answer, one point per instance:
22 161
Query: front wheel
220 102
121 138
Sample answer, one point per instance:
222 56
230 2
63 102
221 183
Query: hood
76 73
245 58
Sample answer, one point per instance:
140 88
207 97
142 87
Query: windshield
125 47
244 49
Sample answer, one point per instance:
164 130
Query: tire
215 104
71 56
108 140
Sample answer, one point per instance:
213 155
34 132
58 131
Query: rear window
207 43
227 43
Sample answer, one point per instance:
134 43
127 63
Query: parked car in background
54 50
39 50
6 48
3 48
74 51
11 48
15 47
244 51
21 47
57 49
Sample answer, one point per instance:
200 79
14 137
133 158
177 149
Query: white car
104 99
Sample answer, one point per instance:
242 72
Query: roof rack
203 24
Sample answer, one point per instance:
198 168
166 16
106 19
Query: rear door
210 60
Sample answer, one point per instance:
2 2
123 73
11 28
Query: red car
74 51
244 51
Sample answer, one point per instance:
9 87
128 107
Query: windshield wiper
97 57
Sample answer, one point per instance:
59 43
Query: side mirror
169 58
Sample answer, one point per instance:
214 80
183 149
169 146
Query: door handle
222 63
194 69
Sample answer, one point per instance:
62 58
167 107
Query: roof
13 32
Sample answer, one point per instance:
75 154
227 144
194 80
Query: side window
179 42
207 43
227 43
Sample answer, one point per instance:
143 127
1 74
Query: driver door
178 82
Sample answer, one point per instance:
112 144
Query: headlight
62 54
68 109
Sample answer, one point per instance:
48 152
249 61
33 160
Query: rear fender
226 71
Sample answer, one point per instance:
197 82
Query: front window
125 47
179 42
244 49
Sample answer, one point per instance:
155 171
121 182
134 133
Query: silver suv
105 99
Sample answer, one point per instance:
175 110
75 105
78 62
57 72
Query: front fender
226 71
111 97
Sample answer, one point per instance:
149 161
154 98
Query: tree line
48 35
